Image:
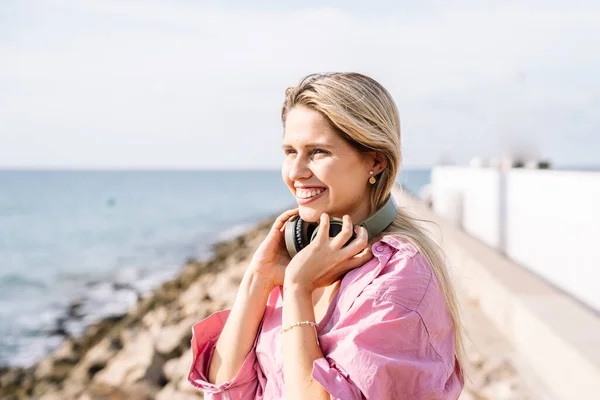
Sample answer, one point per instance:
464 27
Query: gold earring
372 179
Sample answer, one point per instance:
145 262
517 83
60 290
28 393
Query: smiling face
322 170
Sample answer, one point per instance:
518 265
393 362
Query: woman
371 318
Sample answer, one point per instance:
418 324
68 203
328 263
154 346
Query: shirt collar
399 244
355 281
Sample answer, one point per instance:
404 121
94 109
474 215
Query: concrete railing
547 221
556 340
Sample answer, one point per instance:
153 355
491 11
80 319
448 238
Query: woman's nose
299 169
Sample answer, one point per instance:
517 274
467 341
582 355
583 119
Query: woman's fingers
283 218
358 244
345 234
323 232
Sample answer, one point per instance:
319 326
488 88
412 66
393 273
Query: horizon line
152 169
41 168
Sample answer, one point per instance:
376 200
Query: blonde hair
365 115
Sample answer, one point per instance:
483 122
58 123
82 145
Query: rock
174 316
500 390
58 365
136 391
467 395
499 370
173 339
52 396
154 320
60 328
169 392
176 372
192 298
52 370
95 360
191 271
45 387
16 383
74 310
72 390
169 368
98 331
126 286
476 359
12 377
180 369
223 290
184 386
136 362
68 352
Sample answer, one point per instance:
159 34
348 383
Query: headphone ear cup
297 234
298 239
289 233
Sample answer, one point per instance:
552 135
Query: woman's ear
378 163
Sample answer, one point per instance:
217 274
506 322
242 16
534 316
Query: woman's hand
271 258
325 259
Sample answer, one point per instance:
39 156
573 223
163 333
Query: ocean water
103 238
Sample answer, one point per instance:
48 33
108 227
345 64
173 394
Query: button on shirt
387 334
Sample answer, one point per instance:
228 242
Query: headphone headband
381 219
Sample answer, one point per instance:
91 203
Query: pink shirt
386 335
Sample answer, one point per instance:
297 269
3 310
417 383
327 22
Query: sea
77 246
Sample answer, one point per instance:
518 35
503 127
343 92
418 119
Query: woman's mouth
305 196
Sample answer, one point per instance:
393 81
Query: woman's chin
310 214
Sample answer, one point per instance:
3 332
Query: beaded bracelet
298 324
303 323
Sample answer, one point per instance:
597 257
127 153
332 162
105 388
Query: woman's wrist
256 282
293 279
296 286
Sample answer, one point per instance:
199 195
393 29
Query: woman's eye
313 152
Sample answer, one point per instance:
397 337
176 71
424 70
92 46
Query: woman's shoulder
396 244
406 277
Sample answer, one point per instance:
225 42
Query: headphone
299 233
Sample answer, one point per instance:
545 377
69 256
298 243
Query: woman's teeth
308 193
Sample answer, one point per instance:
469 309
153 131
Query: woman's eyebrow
308 146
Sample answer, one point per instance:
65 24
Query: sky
200 84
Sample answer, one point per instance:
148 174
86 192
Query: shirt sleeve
381 350
243 385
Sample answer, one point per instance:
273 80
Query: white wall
551 223
469 198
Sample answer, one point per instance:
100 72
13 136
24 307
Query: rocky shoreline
145 353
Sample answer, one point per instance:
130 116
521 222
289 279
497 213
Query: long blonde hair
365 115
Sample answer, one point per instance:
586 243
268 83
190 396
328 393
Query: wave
16 281
234 231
